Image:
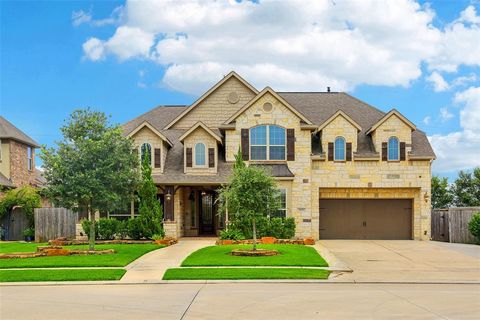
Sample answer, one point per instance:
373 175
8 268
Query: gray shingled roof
277 170
9 131
316 106
5 182
320 106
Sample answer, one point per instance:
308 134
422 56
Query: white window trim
335 149
388 149
205 165
286 202
29 158
268 145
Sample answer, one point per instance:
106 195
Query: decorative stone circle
233 97
252 253
267 107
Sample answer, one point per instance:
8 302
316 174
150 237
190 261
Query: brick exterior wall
19 173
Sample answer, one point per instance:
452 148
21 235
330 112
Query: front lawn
243 273
289 255
124 254
61 275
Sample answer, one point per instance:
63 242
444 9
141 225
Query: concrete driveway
406 260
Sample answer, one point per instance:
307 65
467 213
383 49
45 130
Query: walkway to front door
153 265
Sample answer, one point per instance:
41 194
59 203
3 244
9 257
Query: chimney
328 89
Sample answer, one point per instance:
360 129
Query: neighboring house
17 157
345 169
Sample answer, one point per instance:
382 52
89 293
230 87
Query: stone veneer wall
197 136
339 127
145 135
216 108
19 173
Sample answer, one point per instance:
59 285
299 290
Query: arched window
146 150
339 154
267 143
200 154
393 149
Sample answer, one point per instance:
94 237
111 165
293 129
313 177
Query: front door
207 213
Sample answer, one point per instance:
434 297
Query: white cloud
80 17
460 150
313 44
94 49
439 84
444 114
426 120
83 17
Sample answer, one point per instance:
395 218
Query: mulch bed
268 240
50 251
66 242
254 253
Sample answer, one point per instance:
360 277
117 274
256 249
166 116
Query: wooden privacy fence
52 223
451 225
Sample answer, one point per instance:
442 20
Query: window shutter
330 151
384 151
245 144
402 151
348 151
290 144
189 157
211 157
157 158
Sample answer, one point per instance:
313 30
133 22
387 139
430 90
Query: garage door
365 219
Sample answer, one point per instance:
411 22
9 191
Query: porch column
169 203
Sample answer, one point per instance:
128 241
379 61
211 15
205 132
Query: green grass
290 255
125 253
61 275
243 273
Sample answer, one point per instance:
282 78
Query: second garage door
365 219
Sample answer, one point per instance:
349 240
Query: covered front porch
191 211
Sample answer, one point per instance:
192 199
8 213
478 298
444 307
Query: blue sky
125 58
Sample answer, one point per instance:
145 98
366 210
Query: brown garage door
365 219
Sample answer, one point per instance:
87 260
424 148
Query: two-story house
17 157
344 168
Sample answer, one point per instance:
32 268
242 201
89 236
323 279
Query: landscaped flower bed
51 251
268 240
66 242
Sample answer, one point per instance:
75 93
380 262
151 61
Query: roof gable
391 113
204 127
209 92
340 113
9 131
145 124
276 96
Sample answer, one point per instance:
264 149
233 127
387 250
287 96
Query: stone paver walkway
153 265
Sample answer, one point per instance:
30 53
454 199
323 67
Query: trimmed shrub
280 228
231 234
107 228
474 226
134 229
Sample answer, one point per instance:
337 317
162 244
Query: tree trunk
254 235
91 238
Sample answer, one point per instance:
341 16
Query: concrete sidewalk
153 265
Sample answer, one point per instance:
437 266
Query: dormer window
393 149
146 150
200 155
339 154
267 143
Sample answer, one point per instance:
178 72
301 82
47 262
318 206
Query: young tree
93 167
466 189
441 195
151 214
250 194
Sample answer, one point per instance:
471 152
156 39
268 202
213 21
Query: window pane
393 149
146 151
258 135
277 136
277 153
200 154
282 211
339 149
258 153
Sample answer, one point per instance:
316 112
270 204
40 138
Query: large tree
466 189
93 167
251 193
442 196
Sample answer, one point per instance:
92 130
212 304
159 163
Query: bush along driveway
72 267
216 263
